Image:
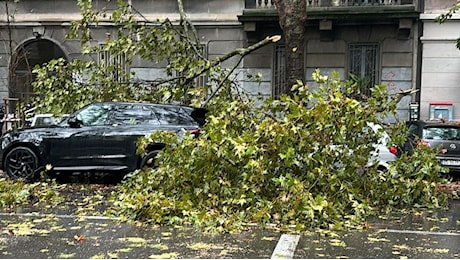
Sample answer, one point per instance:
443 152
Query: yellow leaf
166 234
372 239
164 256
66 255
198 246
159 246
294 49
337 242
133 239
403 247
112 255
75 227
99 256
442 250
268 238
434 228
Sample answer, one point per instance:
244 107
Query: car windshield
441 133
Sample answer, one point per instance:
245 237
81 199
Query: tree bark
292 17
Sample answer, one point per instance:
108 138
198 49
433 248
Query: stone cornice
206 18
432 16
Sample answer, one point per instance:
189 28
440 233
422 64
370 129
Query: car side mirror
74 122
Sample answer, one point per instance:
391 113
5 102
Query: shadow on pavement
109 178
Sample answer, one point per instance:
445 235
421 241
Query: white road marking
285 247
421 232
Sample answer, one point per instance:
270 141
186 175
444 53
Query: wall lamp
38 31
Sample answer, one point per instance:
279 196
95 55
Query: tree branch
402 93
237 52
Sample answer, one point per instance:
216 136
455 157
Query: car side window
133 114
173 116
94 115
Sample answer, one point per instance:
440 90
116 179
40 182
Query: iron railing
331 3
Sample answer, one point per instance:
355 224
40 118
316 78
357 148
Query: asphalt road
33 235
62 233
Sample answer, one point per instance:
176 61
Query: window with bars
201 80
363 65
279 70
115 65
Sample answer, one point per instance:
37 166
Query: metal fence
331 3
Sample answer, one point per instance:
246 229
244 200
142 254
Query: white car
384 152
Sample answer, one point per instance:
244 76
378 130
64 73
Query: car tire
381 170
149 160
21 163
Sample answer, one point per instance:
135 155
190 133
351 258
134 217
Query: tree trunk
292 17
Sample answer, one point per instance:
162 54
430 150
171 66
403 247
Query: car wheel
149 160
21 163
381 170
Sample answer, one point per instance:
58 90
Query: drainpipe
418 59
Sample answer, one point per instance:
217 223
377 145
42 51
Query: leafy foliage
302 160
16 193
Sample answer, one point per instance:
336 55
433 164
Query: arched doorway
35 52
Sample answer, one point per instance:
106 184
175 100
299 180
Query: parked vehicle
384 151
98 137
382 154
437 134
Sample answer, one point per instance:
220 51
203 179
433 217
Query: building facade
33 32
394 42
377 41
440 67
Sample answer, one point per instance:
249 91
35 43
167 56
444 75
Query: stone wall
440 77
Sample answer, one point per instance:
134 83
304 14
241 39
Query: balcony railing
331 3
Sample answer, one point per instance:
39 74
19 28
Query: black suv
437 134
98 137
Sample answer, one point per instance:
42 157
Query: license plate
451 162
